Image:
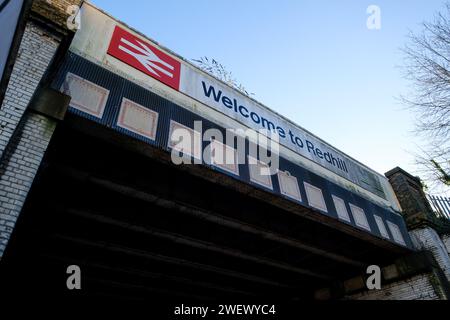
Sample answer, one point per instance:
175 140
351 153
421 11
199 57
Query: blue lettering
299 142
255 117
281 132
319 153
227 102
310 147
270 125
246 111
213 91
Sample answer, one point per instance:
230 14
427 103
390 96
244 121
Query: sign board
146 57
116 47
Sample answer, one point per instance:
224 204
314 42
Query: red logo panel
145 57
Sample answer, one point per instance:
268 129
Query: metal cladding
108 94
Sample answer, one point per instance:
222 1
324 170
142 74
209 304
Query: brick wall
415 207
19 167
446 241
420 220
419 287
35 54
24 135
427 239
54 10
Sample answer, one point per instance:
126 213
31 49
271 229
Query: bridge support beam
414 277
422 276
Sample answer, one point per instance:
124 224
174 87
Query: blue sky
314 62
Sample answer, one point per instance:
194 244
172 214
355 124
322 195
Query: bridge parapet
420 219
56 11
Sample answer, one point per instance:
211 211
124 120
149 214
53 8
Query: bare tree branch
216 69
427 66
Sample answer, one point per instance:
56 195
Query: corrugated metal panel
121 88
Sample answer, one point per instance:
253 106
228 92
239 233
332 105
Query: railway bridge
89 123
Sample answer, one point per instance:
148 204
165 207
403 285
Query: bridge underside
140 227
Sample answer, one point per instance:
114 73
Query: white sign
112 44
253 115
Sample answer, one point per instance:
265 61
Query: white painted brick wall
428 239
21 163
35 53
446 241
419 287
21 152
